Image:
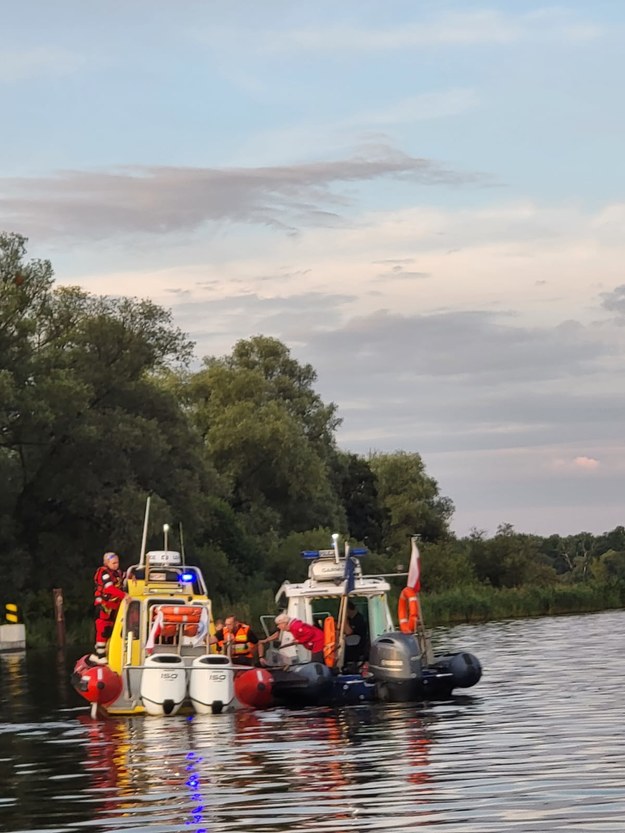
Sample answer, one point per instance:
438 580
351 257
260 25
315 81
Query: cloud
316 135
586 463
167 200
614 301
501 385
471 28
40 62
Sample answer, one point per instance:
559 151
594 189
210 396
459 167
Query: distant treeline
99 408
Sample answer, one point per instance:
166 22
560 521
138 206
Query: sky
423 200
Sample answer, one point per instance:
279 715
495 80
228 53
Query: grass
480 604
476 603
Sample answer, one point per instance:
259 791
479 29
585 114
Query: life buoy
181 614
170 630
329 641
176 615
408 610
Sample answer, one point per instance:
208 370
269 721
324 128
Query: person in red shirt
304 634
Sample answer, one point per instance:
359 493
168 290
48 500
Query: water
538 745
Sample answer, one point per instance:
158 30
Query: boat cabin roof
326 577
165 577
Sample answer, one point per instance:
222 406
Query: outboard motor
211 684
395 664
163 684
465 668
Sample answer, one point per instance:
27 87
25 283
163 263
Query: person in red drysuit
108 595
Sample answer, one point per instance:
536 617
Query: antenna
335 546
165 531
145 531
182 544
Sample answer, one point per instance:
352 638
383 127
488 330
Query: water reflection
538 746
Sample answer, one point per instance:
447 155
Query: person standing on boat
237 640
356 636
108 593
304 634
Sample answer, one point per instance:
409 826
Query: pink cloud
586 463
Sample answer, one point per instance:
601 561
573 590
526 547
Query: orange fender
329 641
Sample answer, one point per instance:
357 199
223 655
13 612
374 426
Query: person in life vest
309 636
237 640
108 594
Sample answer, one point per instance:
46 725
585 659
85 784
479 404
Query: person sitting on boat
219 626
304 634
237 640
108 595
356 636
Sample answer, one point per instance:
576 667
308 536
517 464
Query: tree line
101 404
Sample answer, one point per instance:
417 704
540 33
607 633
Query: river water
537 745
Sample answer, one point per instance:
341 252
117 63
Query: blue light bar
309 553
357 551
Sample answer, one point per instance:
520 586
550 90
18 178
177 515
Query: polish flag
414 570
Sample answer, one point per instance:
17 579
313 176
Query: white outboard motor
211 684
163 684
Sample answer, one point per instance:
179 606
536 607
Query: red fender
253 688
96 683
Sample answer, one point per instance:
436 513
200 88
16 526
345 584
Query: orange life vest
240 646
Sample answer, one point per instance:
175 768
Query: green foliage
410 498
283 561
98 409
479 603
446 565
509 559
367 519
270 435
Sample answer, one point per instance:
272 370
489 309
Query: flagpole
414 581
342 615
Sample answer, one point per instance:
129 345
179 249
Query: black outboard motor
395 664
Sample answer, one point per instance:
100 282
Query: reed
480 603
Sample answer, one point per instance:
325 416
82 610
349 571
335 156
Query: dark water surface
538 745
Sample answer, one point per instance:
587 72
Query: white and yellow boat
161 655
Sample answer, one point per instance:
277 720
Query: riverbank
481 604
475 603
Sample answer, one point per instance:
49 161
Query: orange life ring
408 610
176 615
329 641
181 614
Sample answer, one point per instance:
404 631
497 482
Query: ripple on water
537 746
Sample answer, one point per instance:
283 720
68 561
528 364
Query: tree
268 432
411 498
367 519
510 559
86 427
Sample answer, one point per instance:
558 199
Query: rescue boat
385 662
160 657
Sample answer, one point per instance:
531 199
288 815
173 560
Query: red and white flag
414 570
